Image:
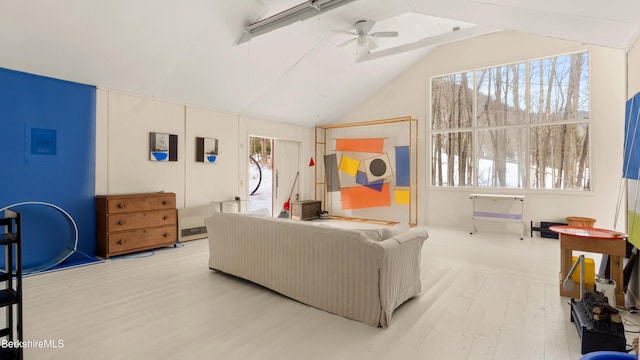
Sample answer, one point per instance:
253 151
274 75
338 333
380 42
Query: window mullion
474 131
527 140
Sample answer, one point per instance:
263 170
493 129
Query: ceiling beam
287 17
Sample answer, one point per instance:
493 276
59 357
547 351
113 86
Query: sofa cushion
391 231
417 232
373 234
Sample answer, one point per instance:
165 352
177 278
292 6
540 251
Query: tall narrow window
452 124
559 133
501 114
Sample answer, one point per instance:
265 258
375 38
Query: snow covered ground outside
261 199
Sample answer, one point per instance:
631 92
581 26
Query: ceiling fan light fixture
364 38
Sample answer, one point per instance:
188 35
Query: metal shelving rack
11 276
502 216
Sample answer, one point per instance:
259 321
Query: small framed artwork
41 146
206 150
163 147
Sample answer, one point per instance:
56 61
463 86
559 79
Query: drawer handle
165 235
165 202
122 241
121 205
121 222
165 217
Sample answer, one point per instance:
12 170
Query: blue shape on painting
160 155
631 166
361 178
212 158
403 166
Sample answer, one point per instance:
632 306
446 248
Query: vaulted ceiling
187 51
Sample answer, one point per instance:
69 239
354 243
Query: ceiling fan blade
347 42
361 54
372 44
385 34
344 32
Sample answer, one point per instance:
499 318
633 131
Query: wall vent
191 222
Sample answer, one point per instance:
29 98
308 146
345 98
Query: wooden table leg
615 270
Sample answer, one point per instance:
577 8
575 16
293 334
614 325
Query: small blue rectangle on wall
403 166
43 142
42 145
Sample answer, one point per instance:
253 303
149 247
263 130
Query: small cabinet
135 222
305 210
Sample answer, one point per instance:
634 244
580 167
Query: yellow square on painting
349 165
402 197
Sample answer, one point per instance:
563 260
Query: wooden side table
593 240
226 204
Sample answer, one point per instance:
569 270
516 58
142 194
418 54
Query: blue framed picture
206 150
163 147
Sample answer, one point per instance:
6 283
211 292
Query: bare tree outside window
452 113
560 108
501 110
527 120
501 157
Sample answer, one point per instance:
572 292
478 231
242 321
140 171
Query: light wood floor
485 296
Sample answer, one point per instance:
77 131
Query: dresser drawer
131 204
143 239
129 221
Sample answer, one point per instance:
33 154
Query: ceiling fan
364 37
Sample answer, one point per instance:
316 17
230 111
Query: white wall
221 180
409 95
633 70
127 168
124 122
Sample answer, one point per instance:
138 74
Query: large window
523 125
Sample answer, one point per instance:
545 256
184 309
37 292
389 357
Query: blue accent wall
47 153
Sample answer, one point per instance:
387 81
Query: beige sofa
353 273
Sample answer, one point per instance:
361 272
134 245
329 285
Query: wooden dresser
135 222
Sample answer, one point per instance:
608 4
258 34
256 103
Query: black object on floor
596 335
544 229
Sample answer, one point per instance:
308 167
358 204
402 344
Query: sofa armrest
400 270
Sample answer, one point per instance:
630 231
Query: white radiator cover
191 222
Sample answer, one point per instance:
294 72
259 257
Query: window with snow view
521 125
